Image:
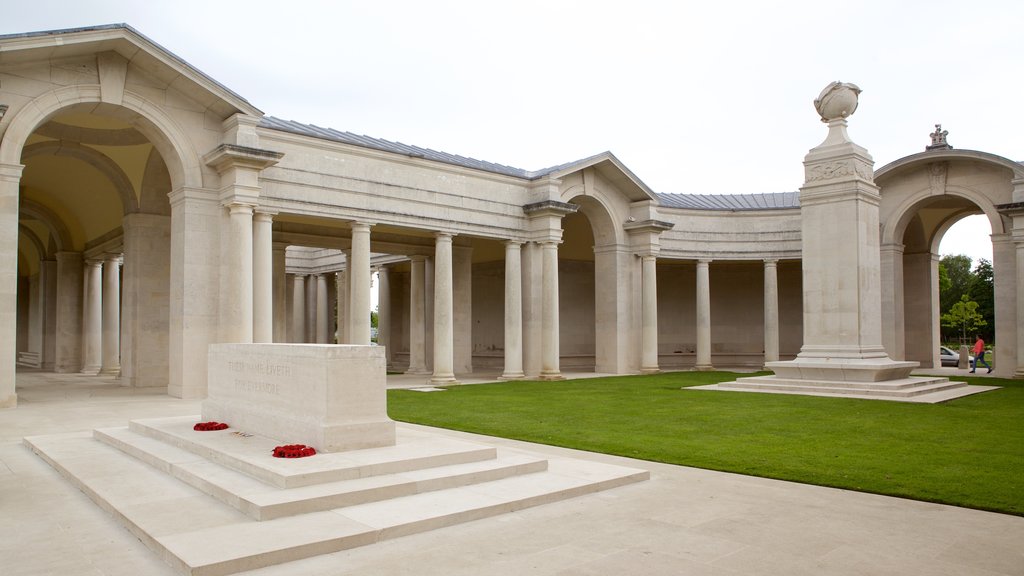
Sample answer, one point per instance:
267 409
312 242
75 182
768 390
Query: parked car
949 357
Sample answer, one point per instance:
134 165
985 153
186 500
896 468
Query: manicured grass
966 452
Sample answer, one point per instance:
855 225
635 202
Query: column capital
360 225
771 262
513 242
648 257
704 261
444 235
263 214
239 207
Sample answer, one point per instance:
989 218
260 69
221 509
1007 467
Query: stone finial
837 101
939 139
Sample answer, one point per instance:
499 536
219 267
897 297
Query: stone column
417 317
649 316
444 315
299 308
262 277
311 309
428 298
10 176
771 310
342 288
513 312
69 312
533 282
359 285
236 310
111 315
384 311
322 313
92 318
1019 248
279 290
549 369
703 316
48 288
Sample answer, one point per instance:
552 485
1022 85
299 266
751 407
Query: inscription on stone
249 373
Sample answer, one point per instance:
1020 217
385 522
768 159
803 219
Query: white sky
694 97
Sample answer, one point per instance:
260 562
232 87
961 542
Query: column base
512 376
110 371
551 376
90 370
9 402
417 372
442 380
704 368
654 370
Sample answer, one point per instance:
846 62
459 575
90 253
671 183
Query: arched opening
94 244
577 293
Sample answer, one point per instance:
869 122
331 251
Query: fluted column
262 277
649 320
771 310
92 317
549 369
299 308
703 316
444 315
359 285
384 311
513 312
322 313
111 315
417 317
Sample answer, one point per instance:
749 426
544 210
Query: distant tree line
956 280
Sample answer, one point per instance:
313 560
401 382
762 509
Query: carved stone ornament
834 170
838 100
939 139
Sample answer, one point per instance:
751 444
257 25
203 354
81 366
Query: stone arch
58 231
923 195
93 158
182 161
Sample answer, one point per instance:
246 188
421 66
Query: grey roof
389 146
732 202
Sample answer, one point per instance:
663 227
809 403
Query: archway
922 197
94 189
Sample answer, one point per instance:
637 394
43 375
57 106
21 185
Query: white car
949 357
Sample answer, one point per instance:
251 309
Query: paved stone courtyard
682 521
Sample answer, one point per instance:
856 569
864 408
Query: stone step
249 454
262 501
900 387
199 535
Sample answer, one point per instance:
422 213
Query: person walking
979 356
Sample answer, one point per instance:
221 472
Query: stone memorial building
147 211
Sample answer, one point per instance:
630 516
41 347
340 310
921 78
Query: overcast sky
694 97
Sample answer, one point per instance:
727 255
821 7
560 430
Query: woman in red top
979 356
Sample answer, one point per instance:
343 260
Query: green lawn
966 452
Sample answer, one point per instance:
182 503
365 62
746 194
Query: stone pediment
611 169
162 65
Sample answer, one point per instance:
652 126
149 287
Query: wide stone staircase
212 503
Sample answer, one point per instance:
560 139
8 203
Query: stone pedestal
330 397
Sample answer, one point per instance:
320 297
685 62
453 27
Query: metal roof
731 202
389 146
688 201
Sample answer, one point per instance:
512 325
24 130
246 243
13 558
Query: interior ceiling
78 193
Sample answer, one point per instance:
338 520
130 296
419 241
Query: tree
964 317
982 291
958 273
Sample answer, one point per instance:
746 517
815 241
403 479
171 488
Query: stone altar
333 398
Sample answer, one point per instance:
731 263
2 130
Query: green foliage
964 317
958 273
956 279
373 318
966 452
